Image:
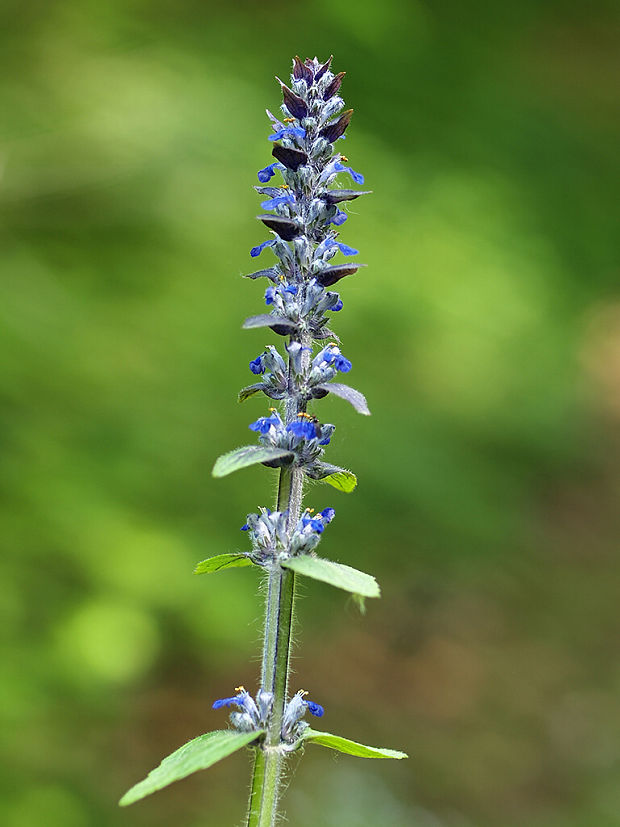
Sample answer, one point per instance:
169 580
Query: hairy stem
268 761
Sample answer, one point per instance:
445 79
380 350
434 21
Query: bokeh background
485 333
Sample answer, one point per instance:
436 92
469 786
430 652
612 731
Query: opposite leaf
326 739
267 320
222 561
246 456
245 393
356 398
269 272
198 754
336 574
341 479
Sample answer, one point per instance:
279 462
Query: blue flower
294 711
342 364
331 355
245 527
302 428
256 251
329 243
243 700
256 365
308 530
338 306
317 522
315 709
272 203
339 218
268 172
271 292
357 176
264 423
297 131
253 713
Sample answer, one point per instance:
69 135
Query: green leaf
354 397
198 754
248 455
336 574
222 561
326 739
342 480
267 320
245 393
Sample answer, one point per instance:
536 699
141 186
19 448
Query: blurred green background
485 333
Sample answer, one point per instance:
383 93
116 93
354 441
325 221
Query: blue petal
302 429
272 203
356 176
256 365
342 364
261 425
338 306
339 218
328 514
317 525
270 294
227 702
346 250
256 251
268 172
315 709
245 527
287 132
325 355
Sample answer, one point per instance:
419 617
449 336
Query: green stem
258 780
269 758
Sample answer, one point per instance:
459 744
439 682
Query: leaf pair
206 750
336 574
354 397
339 478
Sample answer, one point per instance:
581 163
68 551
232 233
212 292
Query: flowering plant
303 214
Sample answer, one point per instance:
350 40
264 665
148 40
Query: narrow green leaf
336 574
267 320
245 393
198 754
326 739
354 397
342 480
248 455
222 561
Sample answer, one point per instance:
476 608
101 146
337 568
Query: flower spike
303 214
